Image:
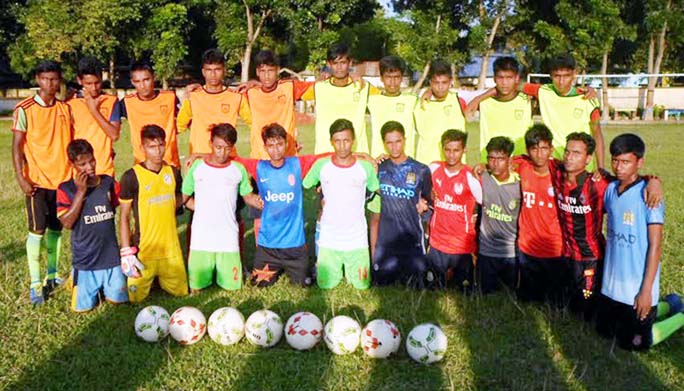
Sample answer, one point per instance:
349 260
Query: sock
663 329
53 243
663 309
33 256
317 235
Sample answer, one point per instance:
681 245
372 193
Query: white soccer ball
187 325
226 326
303 330
426 343
152 323
342 334
264 328
380 338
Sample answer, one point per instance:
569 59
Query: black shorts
405 267
269 264
543 279
620 321
584 285
493 271
450 269
41 209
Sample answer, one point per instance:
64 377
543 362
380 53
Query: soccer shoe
675 302
36 298
50 285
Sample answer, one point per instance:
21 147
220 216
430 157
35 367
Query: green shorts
202 264
333 264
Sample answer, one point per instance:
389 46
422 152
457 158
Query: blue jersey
282 219
93 237
401 187
627 242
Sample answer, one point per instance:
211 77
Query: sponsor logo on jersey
397 192
622 239
167 179
496 212
279 197
569 204
101 214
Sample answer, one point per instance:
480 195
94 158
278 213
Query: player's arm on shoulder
653 192
368 158
531 89
313 177
474 104
372 182
184 118
475 187
307 161
597 133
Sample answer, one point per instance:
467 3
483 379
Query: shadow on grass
13 251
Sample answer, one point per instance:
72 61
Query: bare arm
598 137
125 225
374 225
69 218
643 300
18 159
188 201
474 104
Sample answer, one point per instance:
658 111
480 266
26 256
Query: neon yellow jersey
333 103
510 119
432 119
385 108
564 115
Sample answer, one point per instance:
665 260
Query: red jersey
580 211
453 225
539 232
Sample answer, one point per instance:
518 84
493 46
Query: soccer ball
152 323
187 325
303 330
380 338
226 326
264 328
342 334
426 343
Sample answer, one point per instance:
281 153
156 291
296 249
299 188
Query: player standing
42 129
152 191
343 243
86 205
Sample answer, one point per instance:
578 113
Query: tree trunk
252 35
165 83
484 67
604 87
421 79
112 73
654 66
246 60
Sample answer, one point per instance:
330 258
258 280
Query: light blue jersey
627 242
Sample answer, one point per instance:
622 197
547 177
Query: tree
491 14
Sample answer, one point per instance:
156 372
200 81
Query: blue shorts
88 283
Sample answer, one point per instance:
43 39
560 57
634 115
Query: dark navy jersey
401 187
93 237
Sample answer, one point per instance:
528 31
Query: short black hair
266 57
225 132
506 64
274 130
392 64
628 143
454 135
48 66
392 126
141 65
341 125
439 67
152 132
77 148
500 144
89 66
213 56
585 138
340 49
563 61
536 134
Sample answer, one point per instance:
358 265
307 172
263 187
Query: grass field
494 342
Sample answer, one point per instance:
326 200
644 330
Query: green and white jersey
343 222
510 119
564 115
332 103
215 188
385 108
432 119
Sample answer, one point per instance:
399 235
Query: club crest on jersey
628 218
411 179
225 108
167 179
448 109
164 109
357 96
513 204
291 179
399 107
458 188
582 199
550 191
282 99
577 113
518 115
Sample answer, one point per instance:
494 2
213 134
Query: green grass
494 342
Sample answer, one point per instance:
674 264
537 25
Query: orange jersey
161 111
276 106
48 132
209 108
87 128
